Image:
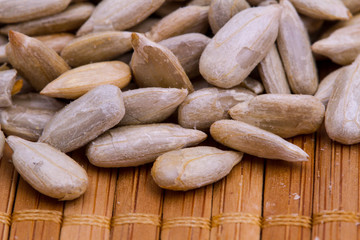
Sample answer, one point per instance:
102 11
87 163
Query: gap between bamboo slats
288 195
237 202
89 216
138 205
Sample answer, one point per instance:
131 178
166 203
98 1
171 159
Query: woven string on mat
5 218
287 220
140 218
37 215
236 217
335 216
89 220
199 222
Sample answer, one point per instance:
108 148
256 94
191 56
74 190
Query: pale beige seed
208 105
188 49
35 100
253 85
221 11
56 41
78 81
48 170
7 81
68 20
312 25
3 57
35 61
136 145
286 115
342 46
342 113
255 141
355 20
25 122
23 10
151 105
272 73
295 51
96 47
352 5
191 168
326 86
2 143
145 25
184 20
85 118
156 66
111 15
239 46
322 9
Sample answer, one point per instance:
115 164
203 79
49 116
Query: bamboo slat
88 217
35 216
288 189
8 182
138 205
186 215
237 202
336 190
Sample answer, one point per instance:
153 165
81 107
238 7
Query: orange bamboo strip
35 216
8 181
237 202
88 217
288 189
336 190
138 205
186 215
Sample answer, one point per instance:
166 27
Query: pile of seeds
136 82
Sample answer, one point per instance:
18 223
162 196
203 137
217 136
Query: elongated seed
96 47
208 105
112 15
194 167
188 19
48 170
24 10
156 66
136 145
272 73
7 81
85 118
326 86
68 20
295 50
255 141
34 60
188 49
239 46
78 81
25 122
286 115
151 105
342 112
